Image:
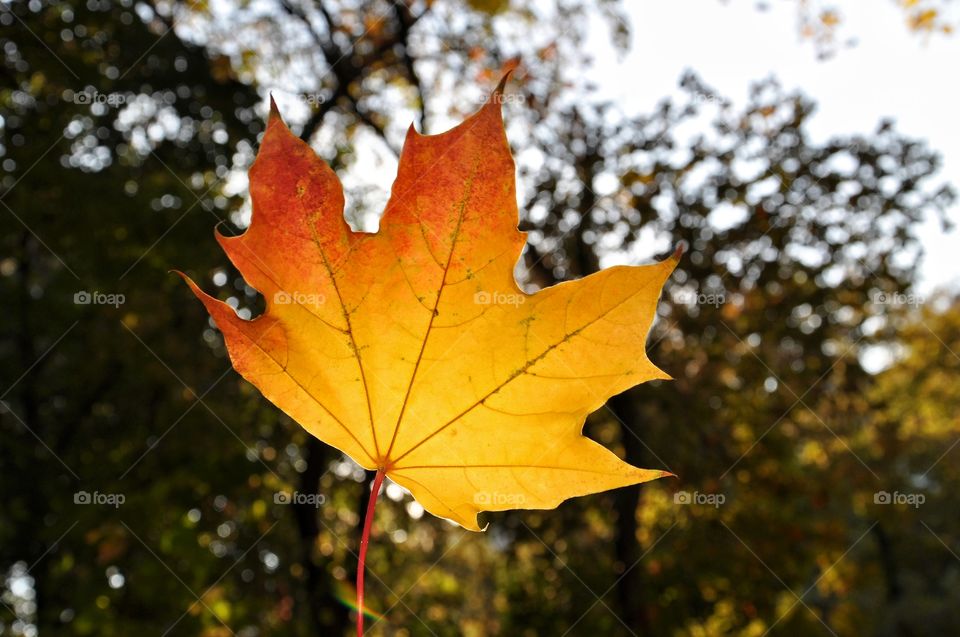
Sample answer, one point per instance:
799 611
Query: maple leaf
412 349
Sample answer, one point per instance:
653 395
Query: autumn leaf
412 349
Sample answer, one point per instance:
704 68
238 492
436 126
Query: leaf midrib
468 191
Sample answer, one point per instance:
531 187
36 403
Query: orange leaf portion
413 349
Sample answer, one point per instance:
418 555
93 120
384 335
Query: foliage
771 407
824 22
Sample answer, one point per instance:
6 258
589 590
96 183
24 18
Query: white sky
891 72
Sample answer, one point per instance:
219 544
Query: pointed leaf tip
509 67
189 281
274 111
679 250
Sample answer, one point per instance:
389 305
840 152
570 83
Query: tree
118 137
911 431
790 244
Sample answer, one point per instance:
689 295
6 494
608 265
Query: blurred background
805 152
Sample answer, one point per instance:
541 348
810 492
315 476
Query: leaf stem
364 541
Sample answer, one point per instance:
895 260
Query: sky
890 72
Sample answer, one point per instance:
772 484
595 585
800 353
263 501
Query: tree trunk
327 614
631 598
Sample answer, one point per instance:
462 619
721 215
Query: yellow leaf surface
412 349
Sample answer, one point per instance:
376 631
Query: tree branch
405 20
365 117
